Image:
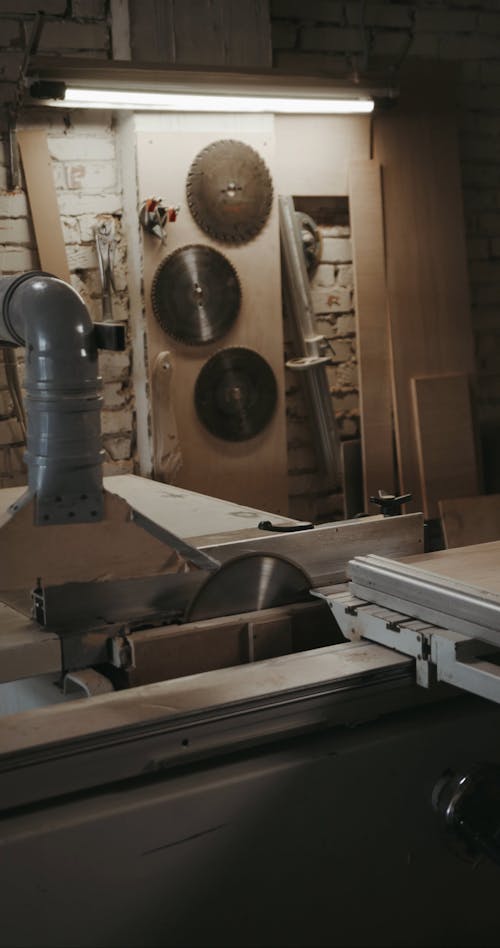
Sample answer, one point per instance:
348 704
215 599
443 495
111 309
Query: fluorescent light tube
188 102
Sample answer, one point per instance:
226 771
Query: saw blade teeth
196 294
249 582
229 191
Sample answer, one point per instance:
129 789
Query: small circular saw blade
235 394
196 294
229 191
248 583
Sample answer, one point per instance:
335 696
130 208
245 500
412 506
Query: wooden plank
247 29
198 33
323 553
352 477
167 453
42 198
473 568
470 520
183 512
254 471
323 148
151 31
193 32
372 322
446 451
427 285
120 28
157 702
227 641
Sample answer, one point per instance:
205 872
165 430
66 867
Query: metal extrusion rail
440 654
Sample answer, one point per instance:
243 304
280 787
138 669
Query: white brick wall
86 177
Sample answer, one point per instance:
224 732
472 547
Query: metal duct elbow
63 395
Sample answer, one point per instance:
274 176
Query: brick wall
87 179
80 28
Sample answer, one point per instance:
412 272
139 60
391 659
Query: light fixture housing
74 84
148 101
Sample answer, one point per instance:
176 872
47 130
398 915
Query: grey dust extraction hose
63 393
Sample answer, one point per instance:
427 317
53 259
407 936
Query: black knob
390 504
469 804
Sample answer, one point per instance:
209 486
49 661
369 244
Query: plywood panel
470 520
42 198
426 259
324 553
445 439
473 567
251 472
314 152
182 512
372 322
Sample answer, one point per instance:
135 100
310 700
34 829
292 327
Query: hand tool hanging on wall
155 216
310 346
105 246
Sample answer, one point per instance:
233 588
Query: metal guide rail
440 654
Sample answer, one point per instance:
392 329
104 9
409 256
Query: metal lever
267 525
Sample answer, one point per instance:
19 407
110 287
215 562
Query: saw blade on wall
235 394
229 191
196 294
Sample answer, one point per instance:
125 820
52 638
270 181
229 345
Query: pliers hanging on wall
105 246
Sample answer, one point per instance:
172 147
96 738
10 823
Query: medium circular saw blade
229 191
235 394
196 294
248 583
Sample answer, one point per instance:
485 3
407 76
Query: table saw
217 728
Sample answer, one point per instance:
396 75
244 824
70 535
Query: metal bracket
86 683
440 654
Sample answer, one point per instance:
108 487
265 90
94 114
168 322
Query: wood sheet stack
416 352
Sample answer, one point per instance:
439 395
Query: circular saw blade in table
248 583
229 191
196 294
235 394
